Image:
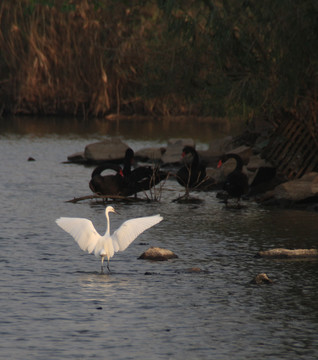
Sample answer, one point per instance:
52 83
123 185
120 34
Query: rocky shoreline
267 186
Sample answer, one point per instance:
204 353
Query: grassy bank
207 58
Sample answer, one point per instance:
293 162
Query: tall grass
173 57
79 60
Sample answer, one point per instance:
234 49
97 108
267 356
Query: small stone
262 279
77 157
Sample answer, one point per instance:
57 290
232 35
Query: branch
106 197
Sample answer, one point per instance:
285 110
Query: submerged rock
282 253
157 254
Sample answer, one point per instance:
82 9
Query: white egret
88 239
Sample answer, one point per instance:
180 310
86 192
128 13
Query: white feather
82 230
88 239
130 229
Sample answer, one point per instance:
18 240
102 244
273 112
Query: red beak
219 164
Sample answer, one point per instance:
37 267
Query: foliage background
237 58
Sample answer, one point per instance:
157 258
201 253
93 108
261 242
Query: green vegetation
207 57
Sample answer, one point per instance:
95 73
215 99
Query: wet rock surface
157 254
281 253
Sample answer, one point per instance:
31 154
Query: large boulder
106 150
174 149
150 154
296 190
245 152
216 149
263 175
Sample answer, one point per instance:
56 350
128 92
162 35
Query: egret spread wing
82 230
130 229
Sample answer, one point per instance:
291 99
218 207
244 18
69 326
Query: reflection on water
56 305
134 128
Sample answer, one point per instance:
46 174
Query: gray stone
300 189
106 150
150 154
174 150
218 147
245 152
255 162
77 157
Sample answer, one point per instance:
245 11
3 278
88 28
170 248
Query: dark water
55 304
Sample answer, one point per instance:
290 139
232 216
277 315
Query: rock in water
106 150
281 253
157 254
261 279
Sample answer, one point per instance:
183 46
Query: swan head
129 155
188 150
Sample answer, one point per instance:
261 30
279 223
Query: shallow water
56 305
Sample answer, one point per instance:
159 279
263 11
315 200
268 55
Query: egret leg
102 266
108 265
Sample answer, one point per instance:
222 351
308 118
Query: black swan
107 184
193 174
236 183
125 182
141 178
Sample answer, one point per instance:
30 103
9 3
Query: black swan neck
103 167
129 155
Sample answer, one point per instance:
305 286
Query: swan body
141 178
191 175
107 184
125 182
236 182
88 239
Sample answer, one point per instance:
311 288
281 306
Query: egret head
110 209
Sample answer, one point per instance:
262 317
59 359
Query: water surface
56 305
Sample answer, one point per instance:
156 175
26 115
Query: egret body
88 239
